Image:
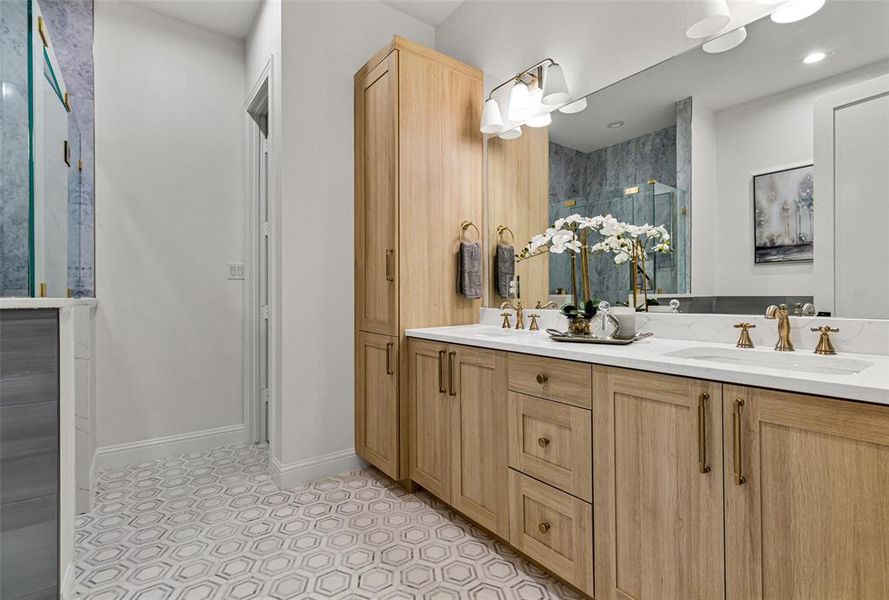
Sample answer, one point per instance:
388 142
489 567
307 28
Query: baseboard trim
112 457
294 474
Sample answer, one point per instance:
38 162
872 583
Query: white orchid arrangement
624 240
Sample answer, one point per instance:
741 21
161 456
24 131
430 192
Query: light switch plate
236 270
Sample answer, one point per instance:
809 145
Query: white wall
705 239
169 179
323 45
767 134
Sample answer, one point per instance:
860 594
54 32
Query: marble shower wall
70 24
14 171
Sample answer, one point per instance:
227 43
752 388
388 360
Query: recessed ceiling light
615 124
814 57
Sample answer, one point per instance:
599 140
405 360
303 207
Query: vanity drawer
560 380
552 442
552 528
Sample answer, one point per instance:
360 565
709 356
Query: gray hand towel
505 268
469 270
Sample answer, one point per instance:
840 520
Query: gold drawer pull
543 527
543 442
541 378
389 370
451 357
703 467
736 442
441 355
390 265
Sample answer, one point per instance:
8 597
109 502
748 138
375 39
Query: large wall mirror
766 163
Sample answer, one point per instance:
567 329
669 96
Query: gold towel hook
466 225
501 229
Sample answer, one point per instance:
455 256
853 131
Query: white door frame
825 110
260 93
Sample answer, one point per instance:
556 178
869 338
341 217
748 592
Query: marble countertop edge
35 303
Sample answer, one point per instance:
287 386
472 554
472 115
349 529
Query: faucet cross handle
506 324
534 326
744 341
824 344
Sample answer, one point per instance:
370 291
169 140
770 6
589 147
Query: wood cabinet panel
553 528
430 448
658 517
376 401
376 198
551 442
551 378
480 458
810 519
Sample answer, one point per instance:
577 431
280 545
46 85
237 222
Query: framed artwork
783 203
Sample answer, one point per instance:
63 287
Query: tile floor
214 525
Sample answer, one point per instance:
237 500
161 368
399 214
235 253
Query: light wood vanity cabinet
418 175
376 401
459 429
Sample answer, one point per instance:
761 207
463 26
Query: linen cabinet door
376 198
806 497
430 449
657 499
479 436
376 406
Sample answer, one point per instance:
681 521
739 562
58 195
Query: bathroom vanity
632 472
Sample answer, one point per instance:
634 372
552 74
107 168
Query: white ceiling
768 62
431 12
229 17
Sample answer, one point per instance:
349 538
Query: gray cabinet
29 454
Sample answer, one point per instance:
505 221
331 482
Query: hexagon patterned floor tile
212 525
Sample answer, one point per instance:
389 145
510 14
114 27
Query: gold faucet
550 304
519 309
780 313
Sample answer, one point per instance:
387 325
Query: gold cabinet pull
389 359
543 527
390 265
451 357
543 442
441 355
541 378
736 442
703 467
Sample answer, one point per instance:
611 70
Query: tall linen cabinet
418 175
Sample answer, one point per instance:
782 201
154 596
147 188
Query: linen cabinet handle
389 359
703 467
390 265
451 357
441 355
736 442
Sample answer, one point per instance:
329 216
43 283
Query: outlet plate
236 270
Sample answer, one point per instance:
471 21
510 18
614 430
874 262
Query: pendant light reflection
707 18
540 120
796 10
726 42
574 107
492 120
511 134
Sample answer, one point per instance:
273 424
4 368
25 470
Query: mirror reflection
764 162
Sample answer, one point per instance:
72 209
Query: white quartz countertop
870 384
32 303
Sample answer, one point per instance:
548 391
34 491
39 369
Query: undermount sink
785 361
501 333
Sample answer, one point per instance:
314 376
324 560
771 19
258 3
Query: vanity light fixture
796 10
615 125
707 18
492 120
814 57
533 94
726 42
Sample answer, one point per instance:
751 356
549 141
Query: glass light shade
492 120
555 88
519 103
574 107
540 120
707 18
796 10
511 134
726 42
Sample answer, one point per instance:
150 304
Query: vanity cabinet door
376 198
806 497
657 495
479 436
430 449
376 407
